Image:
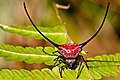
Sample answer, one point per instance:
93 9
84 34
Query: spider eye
68 51
78 50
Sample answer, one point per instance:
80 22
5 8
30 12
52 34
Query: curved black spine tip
56 45
84 43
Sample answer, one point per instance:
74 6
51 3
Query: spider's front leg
58 59
50 54
80 68
81 60
84 61
58 62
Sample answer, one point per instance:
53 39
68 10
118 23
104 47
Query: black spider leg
48 53
100 61
84 61
56 60
61 68
103 61
59 62
79 69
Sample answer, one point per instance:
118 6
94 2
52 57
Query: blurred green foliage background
82 20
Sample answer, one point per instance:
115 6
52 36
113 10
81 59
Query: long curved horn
56 45
84 43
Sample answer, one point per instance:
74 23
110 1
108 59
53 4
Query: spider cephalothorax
69 52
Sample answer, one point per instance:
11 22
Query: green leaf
47 74
56 34
28 54
105 65
44 74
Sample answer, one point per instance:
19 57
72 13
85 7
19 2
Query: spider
69 53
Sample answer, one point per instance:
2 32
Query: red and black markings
70 50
